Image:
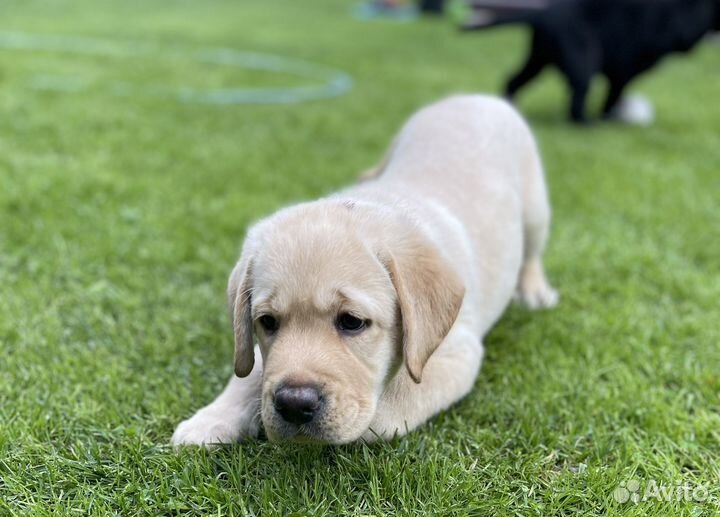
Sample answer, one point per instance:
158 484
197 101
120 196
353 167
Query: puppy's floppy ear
430 294
239 297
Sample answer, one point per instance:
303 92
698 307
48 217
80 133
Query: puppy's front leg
448 376
234 415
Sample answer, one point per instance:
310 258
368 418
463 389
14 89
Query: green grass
120 217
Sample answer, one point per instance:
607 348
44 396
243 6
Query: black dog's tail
489 20
493 13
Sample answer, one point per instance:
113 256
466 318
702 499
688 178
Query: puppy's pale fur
429 250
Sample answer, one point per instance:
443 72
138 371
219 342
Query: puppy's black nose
297 404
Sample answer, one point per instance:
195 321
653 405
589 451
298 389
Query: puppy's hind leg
533 288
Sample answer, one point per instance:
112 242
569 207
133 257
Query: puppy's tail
370 174
375 172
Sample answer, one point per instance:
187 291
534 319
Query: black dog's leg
578 72
579 61
614 94
579 85
536 61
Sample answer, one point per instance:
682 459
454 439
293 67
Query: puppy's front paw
208 428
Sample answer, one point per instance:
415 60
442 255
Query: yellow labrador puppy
369 307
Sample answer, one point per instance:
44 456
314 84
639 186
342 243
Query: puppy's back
462 140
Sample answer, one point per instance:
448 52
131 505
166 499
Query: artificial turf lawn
121 216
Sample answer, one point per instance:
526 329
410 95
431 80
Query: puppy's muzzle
298 404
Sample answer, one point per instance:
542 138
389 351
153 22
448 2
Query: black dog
617 38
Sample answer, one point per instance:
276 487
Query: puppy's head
336 313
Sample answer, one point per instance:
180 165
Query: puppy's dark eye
268 323
350 324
